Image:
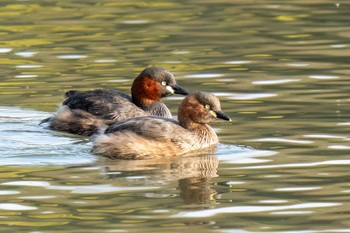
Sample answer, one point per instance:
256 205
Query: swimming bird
85 112
154 137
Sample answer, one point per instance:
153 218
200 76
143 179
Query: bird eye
164 83
207 106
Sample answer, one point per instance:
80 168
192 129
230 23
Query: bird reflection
193 173
196 190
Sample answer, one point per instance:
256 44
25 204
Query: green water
280 69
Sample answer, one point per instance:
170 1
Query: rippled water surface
280 69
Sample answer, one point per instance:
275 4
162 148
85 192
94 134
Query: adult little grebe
85 112
153 137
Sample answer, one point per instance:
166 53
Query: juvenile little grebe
153 137
85 112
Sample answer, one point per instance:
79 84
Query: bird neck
158 108
145 91
203 134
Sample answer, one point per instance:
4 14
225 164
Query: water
280 69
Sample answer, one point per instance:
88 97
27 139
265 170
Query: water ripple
339 147
204 76
12 206
105 60
312 164
24 142
252 96
5 50
292 189
135 21
245 96
238 62
241 155
273 82
293 212
26 54
26 76
28 183
72 56
251 209
298 64
28 66
36 197
323 136
98 189
344 123
338 46
323 77
86 189
180 52
9 192
284 140
273 201
294 231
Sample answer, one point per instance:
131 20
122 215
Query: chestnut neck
145 92
187 113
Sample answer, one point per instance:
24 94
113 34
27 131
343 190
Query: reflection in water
192 173
196 190
167 169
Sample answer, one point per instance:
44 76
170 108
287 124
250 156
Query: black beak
179 90
222 115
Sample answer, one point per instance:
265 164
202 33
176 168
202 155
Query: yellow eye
207 106
164 83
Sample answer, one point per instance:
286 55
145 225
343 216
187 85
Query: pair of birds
140 126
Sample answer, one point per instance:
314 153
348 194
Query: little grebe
153 137
85 112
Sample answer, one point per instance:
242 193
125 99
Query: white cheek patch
170 89
213 113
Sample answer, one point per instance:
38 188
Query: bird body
86 112
153 137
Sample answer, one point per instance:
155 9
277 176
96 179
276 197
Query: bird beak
169 90
179 90
221 115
